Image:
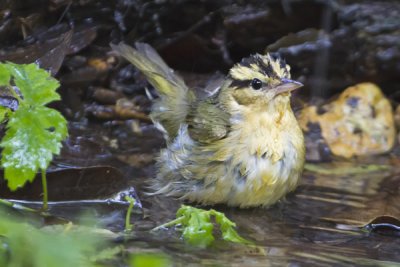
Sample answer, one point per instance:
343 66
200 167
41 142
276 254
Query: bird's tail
170 110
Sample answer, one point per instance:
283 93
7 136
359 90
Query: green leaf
28 246
33 135
198 228
36 85
34 132
147 259
227 229
4 75
3 113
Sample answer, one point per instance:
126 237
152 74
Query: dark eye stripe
245 83
240 83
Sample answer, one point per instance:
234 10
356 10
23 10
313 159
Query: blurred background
329 44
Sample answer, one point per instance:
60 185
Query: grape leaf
33 132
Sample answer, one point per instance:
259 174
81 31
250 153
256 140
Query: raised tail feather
170 110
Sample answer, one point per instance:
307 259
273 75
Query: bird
240 146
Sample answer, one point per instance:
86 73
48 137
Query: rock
359 122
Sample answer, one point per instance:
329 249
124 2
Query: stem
45 194
128 225
16 206
170 223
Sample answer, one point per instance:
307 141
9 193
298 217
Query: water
320 224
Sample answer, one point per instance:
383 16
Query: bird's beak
287 85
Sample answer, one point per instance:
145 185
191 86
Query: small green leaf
197 226
33 135
4 75
198 229
36 85
227 229
147 259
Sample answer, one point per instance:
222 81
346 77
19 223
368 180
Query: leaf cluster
198 227
34 132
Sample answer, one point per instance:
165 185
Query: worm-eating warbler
241 146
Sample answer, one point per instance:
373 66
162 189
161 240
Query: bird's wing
171 109
207 122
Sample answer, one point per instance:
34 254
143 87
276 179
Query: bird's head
259 81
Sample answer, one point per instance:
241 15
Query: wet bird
241 146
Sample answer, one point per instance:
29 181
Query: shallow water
320 224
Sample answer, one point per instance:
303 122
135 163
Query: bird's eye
256 84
